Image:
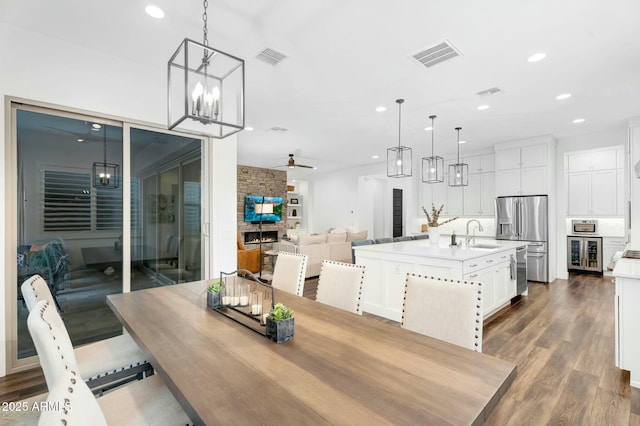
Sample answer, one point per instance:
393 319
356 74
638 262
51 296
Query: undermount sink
485 246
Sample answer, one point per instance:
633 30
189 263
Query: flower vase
434 235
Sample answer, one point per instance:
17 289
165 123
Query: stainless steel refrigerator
526 219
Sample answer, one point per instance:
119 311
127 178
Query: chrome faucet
473 237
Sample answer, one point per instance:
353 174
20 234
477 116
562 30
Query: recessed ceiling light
293 181
483 107
381 109
96 126
462 142
428 129
375 157
315 168
578 120
249 129
563 96
537 57
80 140
154 11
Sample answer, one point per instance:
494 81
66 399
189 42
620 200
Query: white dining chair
288 274
340 285
147 401
101 363
445 309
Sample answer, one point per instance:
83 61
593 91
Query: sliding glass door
69 219
102 207
166 218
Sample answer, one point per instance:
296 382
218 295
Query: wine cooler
584 254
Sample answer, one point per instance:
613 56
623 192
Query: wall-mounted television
259 207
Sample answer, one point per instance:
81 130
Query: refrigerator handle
516 223
583 253
519 219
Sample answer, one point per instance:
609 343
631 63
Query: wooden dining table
340 368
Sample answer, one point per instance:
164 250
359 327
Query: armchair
248 259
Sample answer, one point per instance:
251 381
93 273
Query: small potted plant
280 323
213 294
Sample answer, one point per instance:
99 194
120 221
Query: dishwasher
519 268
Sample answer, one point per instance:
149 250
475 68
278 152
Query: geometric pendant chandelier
459 172
106 175
399 157
205 89
432 167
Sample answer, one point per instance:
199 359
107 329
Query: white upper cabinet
602 159
480 163
525 170
594 181
508 159
534 156
480 194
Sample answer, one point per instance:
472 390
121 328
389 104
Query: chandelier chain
204 27
433 130
399 123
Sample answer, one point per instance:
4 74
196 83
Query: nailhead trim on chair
99 375
44 307
478 306
350 265
305 258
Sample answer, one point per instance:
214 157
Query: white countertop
424 248
628 268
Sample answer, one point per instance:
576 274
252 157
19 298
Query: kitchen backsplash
607 227
460 226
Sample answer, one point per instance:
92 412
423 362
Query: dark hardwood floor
561 338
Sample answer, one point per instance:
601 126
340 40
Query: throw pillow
305 240
355 236
337 237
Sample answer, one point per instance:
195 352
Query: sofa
318 247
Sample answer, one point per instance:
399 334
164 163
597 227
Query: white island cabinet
387 265
627 317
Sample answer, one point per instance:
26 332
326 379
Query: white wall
360 198
48 70
601 139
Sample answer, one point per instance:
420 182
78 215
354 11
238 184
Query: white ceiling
345 58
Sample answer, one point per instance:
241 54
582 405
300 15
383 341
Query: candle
196 96
235 300
225 300
244 300
215 94
255 309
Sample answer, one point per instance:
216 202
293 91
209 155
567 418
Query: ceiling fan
292 163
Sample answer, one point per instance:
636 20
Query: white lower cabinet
486 278
386 271
609 247
627 318
498 288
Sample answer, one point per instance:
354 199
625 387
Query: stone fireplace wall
258 181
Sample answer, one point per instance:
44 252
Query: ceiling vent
270 56
277 129
491 91
433 55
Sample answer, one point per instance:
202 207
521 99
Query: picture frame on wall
294 201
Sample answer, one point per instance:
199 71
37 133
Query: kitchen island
627 316
386 266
